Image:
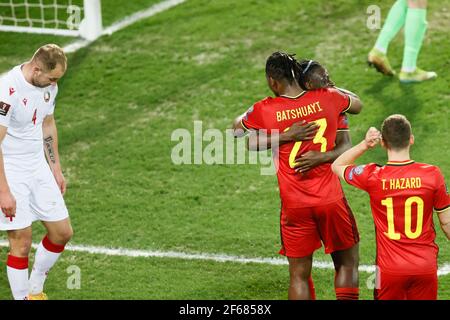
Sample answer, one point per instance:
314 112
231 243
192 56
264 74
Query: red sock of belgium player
347 293
312 290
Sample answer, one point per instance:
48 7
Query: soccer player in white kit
32 188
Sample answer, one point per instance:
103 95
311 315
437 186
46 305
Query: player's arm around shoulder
355 104
252 119
255 140
239 130
259 140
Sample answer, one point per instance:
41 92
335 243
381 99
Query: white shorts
37 198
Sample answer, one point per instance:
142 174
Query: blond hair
49 56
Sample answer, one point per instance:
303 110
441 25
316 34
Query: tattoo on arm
48 142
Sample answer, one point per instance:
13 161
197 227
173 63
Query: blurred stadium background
125 94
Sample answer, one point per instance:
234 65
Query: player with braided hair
313 206
312 76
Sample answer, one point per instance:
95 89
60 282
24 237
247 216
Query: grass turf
124 95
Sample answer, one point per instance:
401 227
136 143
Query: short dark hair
315 74
282 66
396 132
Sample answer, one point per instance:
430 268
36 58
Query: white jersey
23 108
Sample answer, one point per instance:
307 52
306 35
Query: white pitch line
444 270
121 24
76 45
133 253
125 22
143 14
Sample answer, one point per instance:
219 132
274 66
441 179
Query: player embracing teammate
313 205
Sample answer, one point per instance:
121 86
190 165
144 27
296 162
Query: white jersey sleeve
54 94
7 101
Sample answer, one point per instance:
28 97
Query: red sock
347 293
52 247
17 262
17 271
312 290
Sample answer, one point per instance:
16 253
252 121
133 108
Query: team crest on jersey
4 108
250 110
355 171
47 96
11 91
350 174
359 170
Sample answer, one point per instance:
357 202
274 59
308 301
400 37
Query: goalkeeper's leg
415 28
394 22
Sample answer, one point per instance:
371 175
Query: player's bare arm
258 140
299 131
348 92
312 159
238 129
444 220
7 200
373 137
51 150
355 104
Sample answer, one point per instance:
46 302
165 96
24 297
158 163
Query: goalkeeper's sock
46 256
415 28
17 271
394 22
347 293
312 290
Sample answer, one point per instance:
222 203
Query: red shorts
303 229
407 287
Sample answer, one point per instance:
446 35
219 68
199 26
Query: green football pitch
125 94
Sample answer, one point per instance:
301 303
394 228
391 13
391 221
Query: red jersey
343 123
318 186
402 197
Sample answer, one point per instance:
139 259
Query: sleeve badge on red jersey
250 110
356 170
350 175
4 108
359 170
